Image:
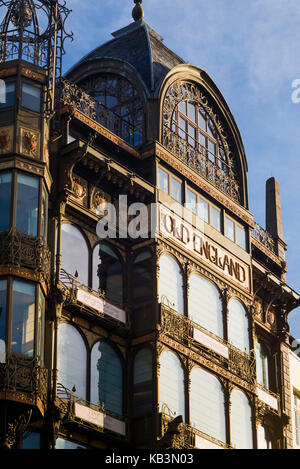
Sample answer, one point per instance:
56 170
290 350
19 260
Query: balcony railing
184 330
264 238
216 171
19 374
70 94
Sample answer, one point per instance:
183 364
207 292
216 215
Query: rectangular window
176 190
191 202
27 204
215 218
203 210
7 94
229 229
5 200
31 97
3 290
297 418
23 314
241 236
44 214
40 326
163 180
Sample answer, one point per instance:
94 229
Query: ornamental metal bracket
13 428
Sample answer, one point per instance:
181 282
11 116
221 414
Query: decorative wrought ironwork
22 250
23 374
14 426
242 364
264 238
175 325
72 95
34 31
219 172
175 434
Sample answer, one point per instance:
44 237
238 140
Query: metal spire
138 12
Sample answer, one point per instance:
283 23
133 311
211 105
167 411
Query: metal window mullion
9 312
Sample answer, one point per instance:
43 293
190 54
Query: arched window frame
88 245
163 299
252 419
247 315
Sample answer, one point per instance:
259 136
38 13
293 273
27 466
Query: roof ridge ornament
138 12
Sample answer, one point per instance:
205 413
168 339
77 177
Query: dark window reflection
27 204
5 198
74 252
107 273
3 289
31 97
107 378
65 444
142 383
23 312
31 441
7 95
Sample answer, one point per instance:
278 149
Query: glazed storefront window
5 200
74 253
171 384
171 283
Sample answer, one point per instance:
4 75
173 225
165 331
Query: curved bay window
74 253
170 283
142 383
22 316
205 304
241 421
238 325
207 404
171 384
192 131
108 273
107 378
118 106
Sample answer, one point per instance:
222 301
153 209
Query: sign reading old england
174 227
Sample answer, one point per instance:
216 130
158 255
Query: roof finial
138 12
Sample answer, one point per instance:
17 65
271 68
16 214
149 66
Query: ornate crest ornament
30 143
5 139
79 190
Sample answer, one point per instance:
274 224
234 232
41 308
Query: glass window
171 384
7 94
263 441
142 281
240 421
262 365
74 252
241 236
31 441
229 229
44 214
27 204
297 418
204 210
72 357
5 200
31 97
23 315
106 378
108 273
238 325
170 283
66 444
40 326
207 404
163 180
215 218
205 305
176 190
142 383
191 201
3 292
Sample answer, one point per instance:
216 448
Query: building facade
174 336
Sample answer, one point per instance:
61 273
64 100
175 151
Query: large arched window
108 273
262 365
170 283
142 383
72 359
238 325
107 378
171 384
74 253
207 404
241 421
116 94
205 305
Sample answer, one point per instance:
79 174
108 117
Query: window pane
202 140
192 135
7 95
171 384
27 204
262 440
182 125
211 149
66 444
108 273
31 97
238 326
182 107
201 121
32 441
191 202
5 197
23 312
106 378
204 210
192 111
163 180
262 365
170 283
207 404
241 236
229 229
3 290
72 358
74 252
240 421
176 190
205 305
40 326
215 218
44 214
142 383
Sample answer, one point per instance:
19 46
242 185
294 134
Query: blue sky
250 48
